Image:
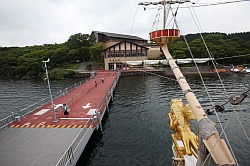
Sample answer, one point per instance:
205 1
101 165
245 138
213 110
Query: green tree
96 52
84 54
78 40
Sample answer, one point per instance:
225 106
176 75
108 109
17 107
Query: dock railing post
98 117
107 103
111 94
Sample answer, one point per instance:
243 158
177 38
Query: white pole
51 100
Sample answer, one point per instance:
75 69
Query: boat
240 69
237 69
189 148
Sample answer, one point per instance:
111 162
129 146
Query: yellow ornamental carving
180 116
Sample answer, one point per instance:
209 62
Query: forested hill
26 62
220 45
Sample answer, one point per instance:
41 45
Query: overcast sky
36 22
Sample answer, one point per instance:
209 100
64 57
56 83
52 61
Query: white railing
7 120
27 110
68 155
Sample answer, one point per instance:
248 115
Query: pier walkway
37 140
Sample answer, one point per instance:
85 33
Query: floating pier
35 139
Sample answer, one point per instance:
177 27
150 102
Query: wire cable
198 25
209 53
199 28
236 56
214 4
133 20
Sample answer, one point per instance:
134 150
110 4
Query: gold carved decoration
180 116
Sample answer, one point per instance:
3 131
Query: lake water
136 130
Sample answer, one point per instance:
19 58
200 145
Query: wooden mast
208 135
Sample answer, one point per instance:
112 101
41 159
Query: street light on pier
51 100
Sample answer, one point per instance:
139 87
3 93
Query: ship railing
26 111
95 118
68 155
102 104
4 122
7 120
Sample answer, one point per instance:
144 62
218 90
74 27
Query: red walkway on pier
82 101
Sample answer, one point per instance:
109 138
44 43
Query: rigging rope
209 53
133 20
156 19
223 129
199 28
172 79
214 4
231 57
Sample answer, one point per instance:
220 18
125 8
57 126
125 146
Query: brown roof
121 36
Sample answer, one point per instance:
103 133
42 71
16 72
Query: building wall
154 52
117 49
117 60
110 43
125 49
115 41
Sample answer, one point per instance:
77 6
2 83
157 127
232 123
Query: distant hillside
219 44
26 62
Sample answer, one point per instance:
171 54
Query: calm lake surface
136 130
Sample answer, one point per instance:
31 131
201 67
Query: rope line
231 57
225 91
214 4
156 19
133 21
198 25
199 28
172 79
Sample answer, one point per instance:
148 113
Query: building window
118 65
111 66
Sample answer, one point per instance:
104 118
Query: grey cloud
29 22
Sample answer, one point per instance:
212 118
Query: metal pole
51 100
164 14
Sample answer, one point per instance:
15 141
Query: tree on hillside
96 51
78 40
83 54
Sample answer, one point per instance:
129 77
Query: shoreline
207 70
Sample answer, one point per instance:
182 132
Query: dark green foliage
79 40
96 51
26 62
59 73
220 45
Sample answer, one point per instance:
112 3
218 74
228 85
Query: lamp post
51 100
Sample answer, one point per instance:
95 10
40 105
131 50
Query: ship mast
208 135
